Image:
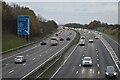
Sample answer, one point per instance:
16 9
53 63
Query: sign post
24 26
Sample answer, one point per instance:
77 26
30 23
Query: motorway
72 67
35 55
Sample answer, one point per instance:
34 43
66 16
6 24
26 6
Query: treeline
92 25
74 25
38 26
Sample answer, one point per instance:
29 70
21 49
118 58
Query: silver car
87 61
19 59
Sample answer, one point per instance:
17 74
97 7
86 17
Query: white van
54 41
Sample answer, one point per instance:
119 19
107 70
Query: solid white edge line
45 61
64 62
11 71
110 52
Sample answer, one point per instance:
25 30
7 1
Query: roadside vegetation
109 29
39 26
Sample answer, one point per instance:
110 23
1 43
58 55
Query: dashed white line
83 55
97 55
97 59
98 72
96 49
24 64
40 55
26 55
33 58
6 64
98 65
11 71
76 72
79 65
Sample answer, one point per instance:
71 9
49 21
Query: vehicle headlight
107 73
115 73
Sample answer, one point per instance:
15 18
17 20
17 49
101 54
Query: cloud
82 12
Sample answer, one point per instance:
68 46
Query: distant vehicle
87 61
90 40
61 39
56 34
82 37
96 31
96 37
100 33
43 43
68 38
82 43
89 32
110 72
54 41
19 59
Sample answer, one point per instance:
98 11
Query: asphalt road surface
101 58
35 55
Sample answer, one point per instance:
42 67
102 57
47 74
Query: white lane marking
64 62
79 65
97 55
73 69
76 72
18 53
6 64
11 71
48 60
24 64
98 72
97 59
83 55
40 55
110 50
26 55
33 59
96 49
98 65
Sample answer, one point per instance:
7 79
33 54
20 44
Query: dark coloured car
110 72
61 39
43 43
68 38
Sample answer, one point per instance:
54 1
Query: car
100 33
82 43
61 39
82 37
110 72
19 59
56 34
43 43
68 38
90 40
87 61
96 37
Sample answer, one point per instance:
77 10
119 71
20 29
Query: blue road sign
23 25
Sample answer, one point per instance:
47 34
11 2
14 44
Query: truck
54 41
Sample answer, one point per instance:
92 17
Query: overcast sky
75 11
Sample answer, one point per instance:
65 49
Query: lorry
54 41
